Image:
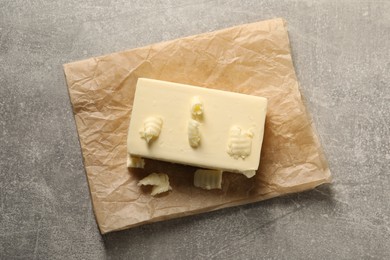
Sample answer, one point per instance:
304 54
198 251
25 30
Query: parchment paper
253 59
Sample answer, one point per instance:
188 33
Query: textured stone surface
341 51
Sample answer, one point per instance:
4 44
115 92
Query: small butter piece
208 179
193 133
135 162
159 181
249 174
196 107
240 143
151 129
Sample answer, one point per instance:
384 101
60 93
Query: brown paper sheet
253 59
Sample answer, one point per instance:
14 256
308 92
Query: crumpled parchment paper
252 59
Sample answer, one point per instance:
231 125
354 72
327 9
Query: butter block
222 114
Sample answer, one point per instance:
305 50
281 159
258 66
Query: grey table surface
341 52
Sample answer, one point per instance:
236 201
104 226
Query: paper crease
252 59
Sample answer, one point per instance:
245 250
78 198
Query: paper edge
217 31
92 201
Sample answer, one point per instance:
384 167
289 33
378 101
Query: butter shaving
208 179
159 181
193 133
240 143
152 128
135 162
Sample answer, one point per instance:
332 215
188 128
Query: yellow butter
135 162
208 179
151 128
159 181
193 133
175 104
